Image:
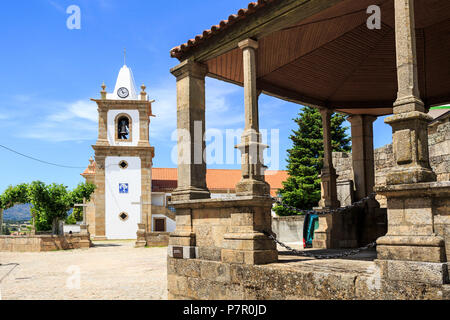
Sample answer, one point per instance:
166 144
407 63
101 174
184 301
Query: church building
132 198
123 162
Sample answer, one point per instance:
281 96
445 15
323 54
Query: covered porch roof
321 52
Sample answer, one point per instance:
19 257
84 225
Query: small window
123 216
123 164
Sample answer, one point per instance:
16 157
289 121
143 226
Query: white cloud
220 112
76 121
83 109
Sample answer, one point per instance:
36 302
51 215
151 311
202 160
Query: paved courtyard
111 270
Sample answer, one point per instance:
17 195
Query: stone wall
43 243
439 147
211 280
288 229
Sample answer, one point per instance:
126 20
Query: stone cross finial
143 93
103 92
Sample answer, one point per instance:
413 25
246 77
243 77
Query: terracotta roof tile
253 7
90 170
217 180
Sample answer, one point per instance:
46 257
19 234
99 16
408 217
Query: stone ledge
41 243
440 188
202 280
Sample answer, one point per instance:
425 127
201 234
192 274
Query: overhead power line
39 160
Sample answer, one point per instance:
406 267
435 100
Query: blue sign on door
123 187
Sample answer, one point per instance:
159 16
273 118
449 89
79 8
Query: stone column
1 221
191 128
252 182
144 120
100 232
363 154
411 250
102 127
328 175
102 120
409 122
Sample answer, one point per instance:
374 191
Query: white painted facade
111 129
117 202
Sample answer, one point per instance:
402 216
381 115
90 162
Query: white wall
158 199
115 202
75 228
134 115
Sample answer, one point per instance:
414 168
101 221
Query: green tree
81 192
305 159
49 203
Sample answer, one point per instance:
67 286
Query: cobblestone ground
110 271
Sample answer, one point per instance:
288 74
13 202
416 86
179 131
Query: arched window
123 128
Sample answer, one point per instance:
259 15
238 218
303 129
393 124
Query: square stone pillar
328 175
363 154
245 243
252 182
102 122
182 242
1 221
99 226
191 128
411 249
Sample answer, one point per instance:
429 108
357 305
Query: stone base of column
141 241
251 187
323 236
329 190
412 240
184 194
410 144
182 238
249 248
85 241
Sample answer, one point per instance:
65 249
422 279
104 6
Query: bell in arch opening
123 128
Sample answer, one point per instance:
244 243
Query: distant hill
20 212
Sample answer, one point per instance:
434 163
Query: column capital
189 68
326 111
354 118
248 43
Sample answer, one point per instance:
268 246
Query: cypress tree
305 159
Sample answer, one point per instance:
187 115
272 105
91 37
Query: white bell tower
123 162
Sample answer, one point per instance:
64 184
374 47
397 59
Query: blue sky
49 73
